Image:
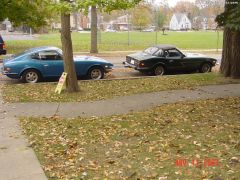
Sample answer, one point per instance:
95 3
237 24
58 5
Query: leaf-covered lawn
191 140
98 90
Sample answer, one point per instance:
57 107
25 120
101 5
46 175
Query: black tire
205 68
31 76
159 70
96 73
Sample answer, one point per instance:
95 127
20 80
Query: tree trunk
94 48
230 65
225 68
69 67
235 66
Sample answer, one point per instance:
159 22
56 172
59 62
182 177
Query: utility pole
156 26
128 28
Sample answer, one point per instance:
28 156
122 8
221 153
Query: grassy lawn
143 145
99 90
119 41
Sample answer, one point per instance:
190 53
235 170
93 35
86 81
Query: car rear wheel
31 76
159 70
96 73
205 68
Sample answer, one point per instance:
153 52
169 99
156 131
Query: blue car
39 63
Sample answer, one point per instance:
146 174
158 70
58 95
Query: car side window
49 55
159 53
166 54
174 53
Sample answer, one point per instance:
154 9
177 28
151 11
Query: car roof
165 46
41 48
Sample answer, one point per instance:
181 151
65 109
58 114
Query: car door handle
45 65
170 61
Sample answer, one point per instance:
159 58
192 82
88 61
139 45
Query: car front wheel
159 70
95 73
205 68
31 76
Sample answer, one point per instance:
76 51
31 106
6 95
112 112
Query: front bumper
9 74
107 70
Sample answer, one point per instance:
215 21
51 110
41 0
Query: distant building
121 23
179 22
78 21
6 25
205 23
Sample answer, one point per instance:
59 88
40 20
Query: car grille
132 61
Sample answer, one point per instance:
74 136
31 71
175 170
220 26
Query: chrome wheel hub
31 77
96 74
159 71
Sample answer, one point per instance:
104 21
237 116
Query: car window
151 50
159 53
49 55
173 53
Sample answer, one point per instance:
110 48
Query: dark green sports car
160 59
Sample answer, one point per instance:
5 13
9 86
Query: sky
172 3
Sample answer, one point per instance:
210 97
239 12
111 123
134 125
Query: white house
180 21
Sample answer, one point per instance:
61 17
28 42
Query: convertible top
165 46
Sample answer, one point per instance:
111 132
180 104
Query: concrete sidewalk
120 105
18 160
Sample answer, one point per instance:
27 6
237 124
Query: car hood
140 56
192 55
8 60
89 58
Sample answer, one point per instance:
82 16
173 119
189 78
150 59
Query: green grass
99 90
142 145
119 41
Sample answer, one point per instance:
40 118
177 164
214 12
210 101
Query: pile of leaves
145 145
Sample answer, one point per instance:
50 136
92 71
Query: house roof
179 16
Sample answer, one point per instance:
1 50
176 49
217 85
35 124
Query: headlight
108 66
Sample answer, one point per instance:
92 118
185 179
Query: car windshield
151 50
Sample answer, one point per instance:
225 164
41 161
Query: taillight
141 64
4 46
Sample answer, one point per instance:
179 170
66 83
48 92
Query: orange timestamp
208 162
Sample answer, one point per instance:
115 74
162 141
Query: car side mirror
183 56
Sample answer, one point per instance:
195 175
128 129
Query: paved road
118 72
9 37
